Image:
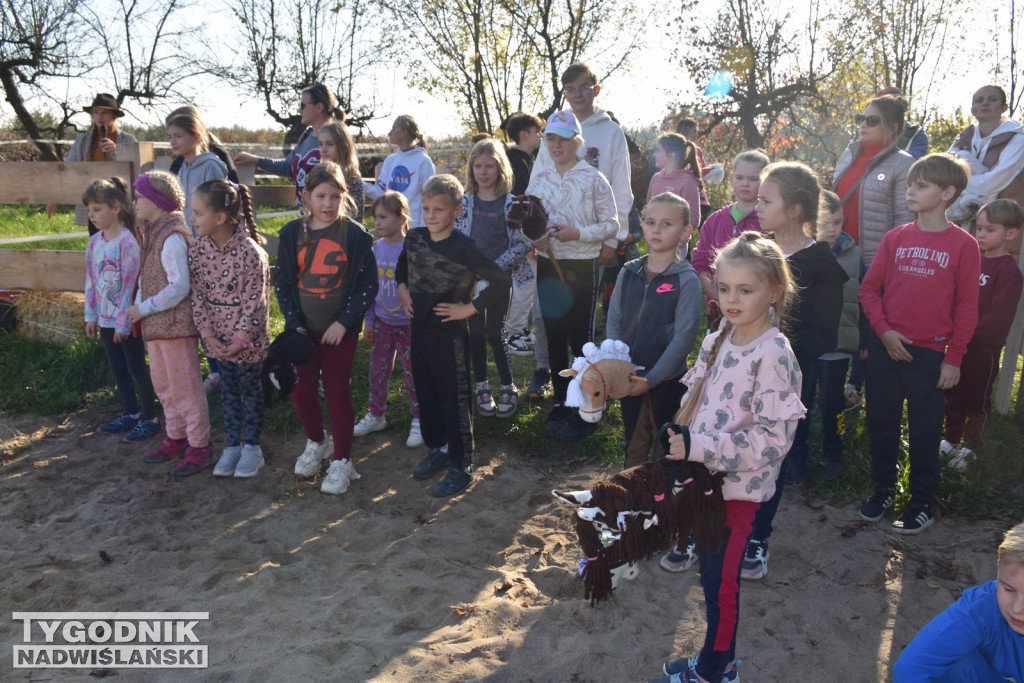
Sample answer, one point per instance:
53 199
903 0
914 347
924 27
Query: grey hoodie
191 175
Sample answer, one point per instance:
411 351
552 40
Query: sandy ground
387 583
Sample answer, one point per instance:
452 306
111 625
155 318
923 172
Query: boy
727 223
929 271
436 276
655 308
980 637
970 401
523 131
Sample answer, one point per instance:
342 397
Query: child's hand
676 446
90 330
894 344
638 388
134 313
368 333
334 334
121 336
863 354
403 295
563 233
607 253
214 347
449 312
233 351
949 376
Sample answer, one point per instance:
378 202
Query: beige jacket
883 194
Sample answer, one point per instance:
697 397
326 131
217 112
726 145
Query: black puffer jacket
812 321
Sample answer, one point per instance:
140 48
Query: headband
144 187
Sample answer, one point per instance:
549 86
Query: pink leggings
174 367
389 340
335 363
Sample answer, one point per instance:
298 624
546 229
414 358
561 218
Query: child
980 637
679 170
727 223
163 306
994 149
929 271
407 170
970 401
581 211
787 205
739 417
832 366
655 308
229 275
436 275
189 139
325 280
337 145
524 130
710 173
111 271
488 177
387 327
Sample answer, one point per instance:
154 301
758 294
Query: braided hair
224 196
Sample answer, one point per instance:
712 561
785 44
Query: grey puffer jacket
882 203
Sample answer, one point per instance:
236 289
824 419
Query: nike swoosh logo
665 288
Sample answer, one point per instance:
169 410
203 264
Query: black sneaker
540 385
436 461
914 520
556 420
576 428
457 479
875 506
754 566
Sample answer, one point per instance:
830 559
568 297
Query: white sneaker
250 462
339 475
225 467
370 423
308 463
963 456
946 449
415 438
212 382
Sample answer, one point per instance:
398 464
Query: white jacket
582 199
604 148
986 183
405 172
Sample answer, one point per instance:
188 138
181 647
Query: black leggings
485 328
568 308
127 360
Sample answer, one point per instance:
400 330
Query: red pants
969 403
335 363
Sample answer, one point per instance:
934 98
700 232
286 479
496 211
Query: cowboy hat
104 101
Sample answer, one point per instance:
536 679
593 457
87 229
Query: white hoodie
986 183
405 172
604 148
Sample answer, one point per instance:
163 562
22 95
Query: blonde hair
395 204
445 184
766 258
345 145
494 149
1011 550
674 200
167 184
409 125
798 186
187 118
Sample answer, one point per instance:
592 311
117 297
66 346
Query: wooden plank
44 238
61 182
1013 348
273 195
53 271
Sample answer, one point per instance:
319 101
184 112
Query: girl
995 151
336 145
111 270
98 143
189 138
165 310
581 214
213 144
787 205
655 308
484 206
229 275
739 417
407 169
678 170
317 106
387 326
727 223
325 279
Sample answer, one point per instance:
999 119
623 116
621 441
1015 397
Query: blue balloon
720 85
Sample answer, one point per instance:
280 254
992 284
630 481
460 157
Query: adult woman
317 107
871 181
98 143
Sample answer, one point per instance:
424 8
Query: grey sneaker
228 461
250 462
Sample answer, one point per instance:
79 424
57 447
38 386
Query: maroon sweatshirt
998 296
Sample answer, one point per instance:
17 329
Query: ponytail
112 191
224 196
694 396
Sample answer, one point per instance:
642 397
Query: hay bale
55 317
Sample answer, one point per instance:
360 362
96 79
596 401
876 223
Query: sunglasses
872 120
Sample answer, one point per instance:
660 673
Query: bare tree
1011 67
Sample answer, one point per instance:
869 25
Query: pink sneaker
195 460
168 449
